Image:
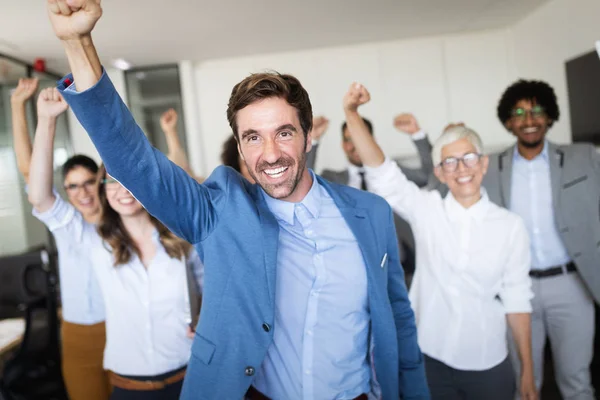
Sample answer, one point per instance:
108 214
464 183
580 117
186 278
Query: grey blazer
575 178
418 175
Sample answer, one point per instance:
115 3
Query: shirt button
249 371
313 293
307 372
309 333
266 327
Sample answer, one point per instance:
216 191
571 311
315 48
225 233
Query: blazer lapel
270 240
555 158
505 163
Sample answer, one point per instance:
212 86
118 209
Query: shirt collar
456 212
543 155
354 170
284 210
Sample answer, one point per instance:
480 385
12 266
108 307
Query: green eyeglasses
109 181
535 112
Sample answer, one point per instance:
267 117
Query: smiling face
464 182
120 199
80 186
529 123
273 147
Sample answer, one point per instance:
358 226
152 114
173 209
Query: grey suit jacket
419 176
575 178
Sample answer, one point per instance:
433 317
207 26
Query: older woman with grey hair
473 260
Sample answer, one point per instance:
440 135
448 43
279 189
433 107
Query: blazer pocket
203 349
575 182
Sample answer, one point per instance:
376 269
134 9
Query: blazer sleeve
412 380
186 207
422 175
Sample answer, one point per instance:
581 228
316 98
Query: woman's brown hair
112 230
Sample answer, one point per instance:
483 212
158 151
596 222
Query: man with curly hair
556 190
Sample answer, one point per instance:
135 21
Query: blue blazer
236 235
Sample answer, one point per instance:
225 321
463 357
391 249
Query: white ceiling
154 32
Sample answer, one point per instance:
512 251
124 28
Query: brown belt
132 384
253 394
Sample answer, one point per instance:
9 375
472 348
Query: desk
11 334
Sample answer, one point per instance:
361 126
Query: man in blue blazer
304 293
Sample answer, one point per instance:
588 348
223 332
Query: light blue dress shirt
322 319
531 198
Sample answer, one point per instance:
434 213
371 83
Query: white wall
440 79
558 31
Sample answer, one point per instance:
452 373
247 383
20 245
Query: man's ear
485 163
240 151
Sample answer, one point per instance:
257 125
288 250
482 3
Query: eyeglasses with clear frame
469 160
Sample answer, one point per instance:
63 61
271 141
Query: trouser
563 311
447 383
167 386
82 356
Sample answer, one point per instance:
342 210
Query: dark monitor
583 82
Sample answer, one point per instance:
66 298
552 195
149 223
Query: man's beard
291 183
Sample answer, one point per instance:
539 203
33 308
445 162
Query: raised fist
73 19
320 125
50 103
168 120
25 89
406 123
356 96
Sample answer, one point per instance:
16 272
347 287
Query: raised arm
21 141
176 153
384 176
320 125
166 191
49 106
408 124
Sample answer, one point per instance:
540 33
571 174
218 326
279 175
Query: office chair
29 283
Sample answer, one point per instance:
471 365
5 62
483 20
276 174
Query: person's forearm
21 140
369 151
84 62
520 325
176 152
41 169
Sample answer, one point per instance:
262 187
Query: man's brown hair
265 85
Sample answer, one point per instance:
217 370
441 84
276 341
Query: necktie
363 182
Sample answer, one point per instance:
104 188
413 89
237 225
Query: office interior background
443 60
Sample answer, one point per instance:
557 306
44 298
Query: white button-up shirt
147 309
81 298
472 269
531 198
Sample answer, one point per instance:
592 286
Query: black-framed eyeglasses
469 160
536 111
74 187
